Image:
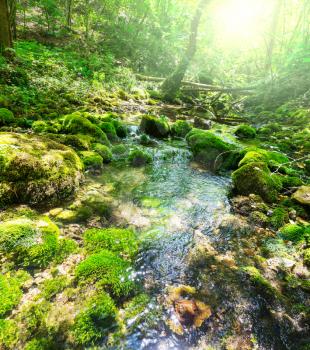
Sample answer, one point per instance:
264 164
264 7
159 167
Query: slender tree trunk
5 30
272 36
172 84
69 14
12 17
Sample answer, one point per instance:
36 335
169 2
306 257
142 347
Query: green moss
53 286
181 128
211 150
41 126
294 233
137 157
109 129
122 241
258 218
35 169
278 218
256 178
261 282
245 132
291 181
119 149
95 322
98 204
6 117
65 248
78 142
108 269
8 334
10 291
43 343
33 243
91 160
306 255
154 126
104 151
76 123
120 128
271 158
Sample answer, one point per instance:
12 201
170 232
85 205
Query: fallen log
196 86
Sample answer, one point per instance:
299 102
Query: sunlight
239 20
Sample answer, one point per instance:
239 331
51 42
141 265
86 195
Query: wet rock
302 195
201 123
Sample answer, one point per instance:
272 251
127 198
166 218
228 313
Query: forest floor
130 223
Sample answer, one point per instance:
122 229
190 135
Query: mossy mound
117 240
10 291
30 242
256 178
77 123
294 232
104 152
109 130
91 160
271 158
6 117
138 157
109 270
94 322
212 151
245 132
35 170
157 127
181 128
41 126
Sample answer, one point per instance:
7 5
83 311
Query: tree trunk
12 17
5 30
172 84
272 34
69 14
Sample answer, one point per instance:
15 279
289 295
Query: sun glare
242 20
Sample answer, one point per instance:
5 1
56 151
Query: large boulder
255 177
212 151
302 195
34 169
154 126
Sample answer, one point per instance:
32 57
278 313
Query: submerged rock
35 169
202 123
302 195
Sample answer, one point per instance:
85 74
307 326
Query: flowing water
170 203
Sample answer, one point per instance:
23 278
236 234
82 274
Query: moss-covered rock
104 152
212 151
138 157
91 160
41 126
8 334
107 269
109 130
279 218
271 158
30 242
256 178
10 291
117 240
35 169
294 232
302 195
157 127
95 321
245 132
76 123
6 117
181 128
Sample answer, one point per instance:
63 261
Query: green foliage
41 344
104 152
138 157
181 128
245 132
93 323
157 127
108 269
117 240
6 117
